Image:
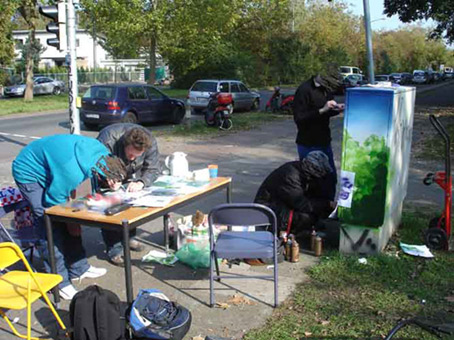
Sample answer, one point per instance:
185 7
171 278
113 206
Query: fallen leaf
240 300
325 322
222 305
198 337
307 334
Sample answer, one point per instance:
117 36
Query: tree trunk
152 60
28 96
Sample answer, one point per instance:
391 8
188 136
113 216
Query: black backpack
97 314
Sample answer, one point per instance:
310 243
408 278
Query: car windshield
419 74
204 86
345 69
381 78
100 92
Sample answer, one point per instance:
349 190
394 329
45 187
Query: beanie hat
316 164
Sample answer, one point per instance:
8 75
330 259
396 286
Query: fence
88 78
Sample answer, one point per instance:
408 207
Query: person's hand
113 185
135 186
340 107
329 105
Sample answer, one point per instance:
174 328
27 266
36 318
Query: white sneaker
91 273
68 292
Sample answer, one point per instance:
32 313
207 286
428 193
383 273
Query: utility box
378 126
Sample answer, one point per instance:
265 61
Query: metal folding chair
232 244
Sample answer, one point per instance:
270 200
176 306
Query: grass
433 147
241 122
344 299
39 103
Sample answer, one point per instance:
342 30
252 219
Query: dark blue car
131 103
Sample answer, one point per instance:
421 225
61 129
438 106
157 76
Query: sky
376 12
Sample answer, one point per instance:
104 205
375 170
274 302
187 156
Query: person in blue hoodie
46 172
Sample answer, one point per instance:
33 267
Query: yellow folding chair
19 289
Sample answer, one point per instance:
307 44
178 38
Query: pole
74 119
94 50
370 55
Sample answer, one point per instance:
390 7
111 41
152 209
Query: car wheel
91 126
255 105
129 117
178 115
56 91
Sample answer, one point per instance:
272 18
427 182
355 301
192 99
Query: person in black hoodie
298 186
313 107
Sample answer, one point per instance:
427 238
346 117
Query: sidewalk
247 157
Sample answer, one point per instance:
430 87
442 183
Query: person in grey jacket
138 149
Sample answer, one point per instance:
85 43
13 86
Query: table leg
50 245
166 232
229 193
127 258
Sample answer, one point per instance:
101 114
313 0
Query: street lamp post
370 56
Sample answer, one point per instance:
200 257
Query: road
18 130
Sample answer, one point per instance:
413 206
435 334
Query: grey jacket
145 168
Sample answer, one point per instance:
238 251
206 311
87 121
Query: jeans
331 182
113 240
70 257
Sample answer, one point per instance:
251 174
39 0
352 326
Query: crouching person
300 187
46 171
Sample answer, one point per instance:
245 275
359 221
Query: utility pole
74 118
94 49
370 55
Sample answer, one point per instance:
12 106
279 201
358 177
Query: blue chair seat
244 245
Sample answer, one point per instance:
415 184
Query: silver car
243 98
41 85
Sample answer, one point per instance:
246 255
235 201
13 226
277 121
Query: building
86 52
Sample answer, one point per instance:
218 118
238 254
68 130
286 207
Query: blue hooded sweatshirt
59 164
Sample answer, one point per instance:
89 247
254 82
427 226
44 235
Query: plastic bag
195 255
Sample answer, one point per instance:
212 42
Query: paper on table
414 250
151 201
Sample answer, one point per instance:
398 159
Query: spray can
318 246
313 236
295 251
288 248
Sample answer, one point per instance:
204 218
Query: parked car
448 73
352 80
132 103
41 85
347 70
383 77
243 98
403 78
419 77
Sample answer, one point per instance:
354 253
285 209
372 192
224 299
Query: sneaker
91 273
117 260
135 245
68 292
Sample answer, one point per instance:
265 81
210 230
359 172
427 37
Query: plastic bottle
318 246
313 236
295 251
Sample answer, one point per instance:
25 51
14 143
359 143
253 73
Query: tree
28 10
7 8
131 27
441 11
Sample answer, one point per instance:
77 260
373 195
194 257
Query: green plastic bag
195 255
